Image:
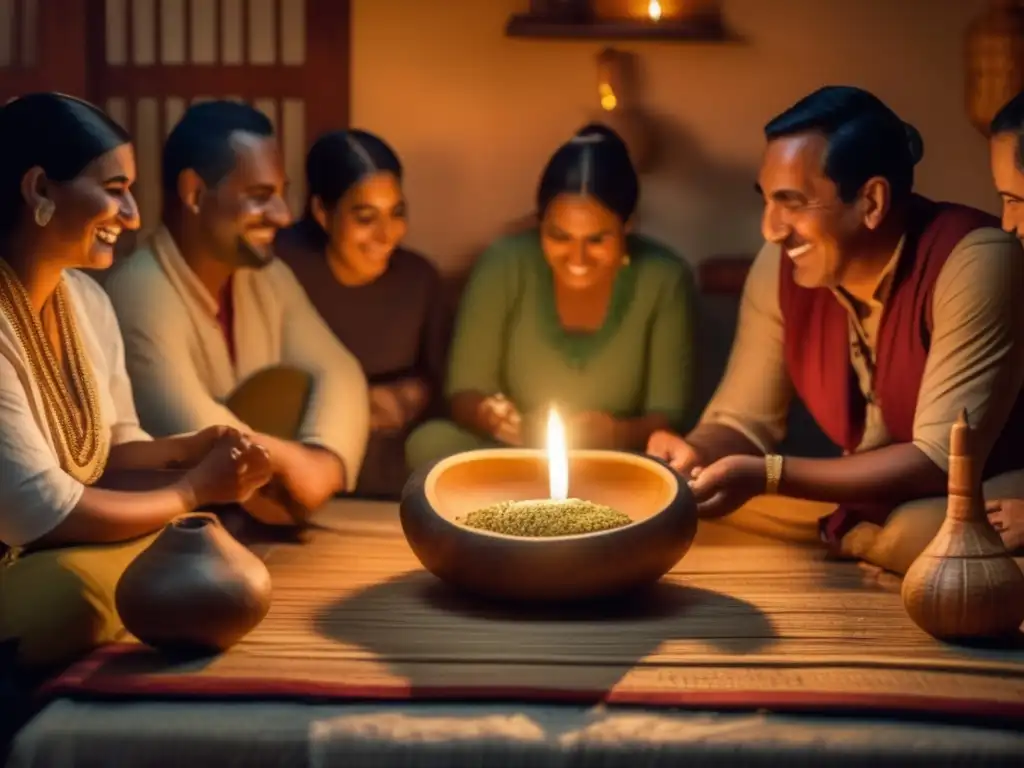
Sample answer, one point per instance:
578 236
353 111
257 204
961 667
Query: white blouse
35 493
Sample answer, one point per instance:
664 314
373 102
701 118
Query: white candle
558 458
654 10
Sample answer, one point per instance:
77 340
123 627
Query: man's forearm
892 474
310 474
716 441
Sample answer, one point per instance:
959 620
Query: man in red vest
887 314
1007 156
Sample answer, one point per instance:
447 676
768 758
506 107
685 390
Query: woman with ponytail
580 313
382 301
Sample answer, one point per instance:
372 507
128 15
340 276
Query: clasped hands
224 466
719 488
277 482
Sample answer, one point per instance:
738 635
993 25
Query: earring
44 212
625 259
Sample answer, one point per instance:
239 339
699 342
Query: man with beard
887 314
217 331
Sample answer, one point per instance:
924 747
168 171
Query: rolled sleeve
976 360
35 493
755 392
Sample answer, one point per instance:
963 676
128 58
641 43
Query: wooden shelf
709 29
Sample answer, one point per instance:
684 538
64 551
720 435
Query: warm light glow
654 10
558 458
608 100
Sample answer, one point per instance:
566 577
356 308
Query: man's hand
273 505
502 420
311 475
674 450
1007 517
728 484
229 473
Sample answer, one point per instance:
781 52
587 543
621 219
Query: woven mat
732 627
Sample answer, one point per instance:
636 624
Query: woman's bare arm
104 516
178 452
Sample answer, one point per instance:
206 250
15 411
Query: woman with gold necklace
67 418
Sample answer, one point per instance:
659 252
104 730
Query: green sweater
508 337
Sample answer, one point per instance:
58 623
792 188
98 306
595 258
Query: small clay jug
965 585
195 589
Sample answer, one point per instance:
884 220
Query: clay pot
195 588
557 568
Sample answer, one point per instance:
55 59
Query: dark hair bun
915 144
595 162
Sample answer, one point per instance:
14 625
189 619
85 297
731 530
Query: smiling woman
580 312
66 413
382 301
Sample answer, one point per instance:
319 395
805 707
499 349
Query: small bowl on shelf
550 568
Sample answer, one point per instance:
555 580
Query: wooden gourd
965 585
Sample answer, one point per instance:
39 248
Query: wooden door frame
327 96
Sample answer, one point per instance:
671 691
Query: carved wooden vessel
965 585
559 568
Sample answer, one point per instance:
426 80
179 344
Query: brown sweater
397 327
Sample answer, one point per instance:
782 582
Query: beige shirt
35 493
181 367
976 359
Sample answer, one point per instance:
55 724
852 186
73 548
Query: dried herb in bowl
545 518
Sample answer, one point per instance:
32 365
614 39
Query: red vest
817 349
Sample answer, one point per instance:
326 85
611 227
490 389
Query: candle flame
608 99
654 10
558 458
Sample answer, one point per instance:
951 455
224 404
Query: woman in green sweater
578 313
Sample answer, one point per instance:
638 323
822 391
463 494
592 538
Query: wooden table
263 732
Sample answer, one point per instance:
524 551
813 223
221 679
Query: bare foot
877 575
1007 517
859 540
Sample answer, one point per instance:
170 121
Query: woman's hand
231 472
395 406
502 420
386 410
728 484
192 449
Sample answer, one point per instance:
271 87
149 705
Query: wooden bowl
559 568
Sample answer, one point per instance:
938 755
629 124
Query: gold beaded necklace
73 417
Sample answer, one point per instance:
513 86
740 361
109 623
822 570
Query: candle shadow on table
434 636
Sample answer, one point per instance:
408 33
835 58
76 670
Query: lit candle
558 458
654 10
557 515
